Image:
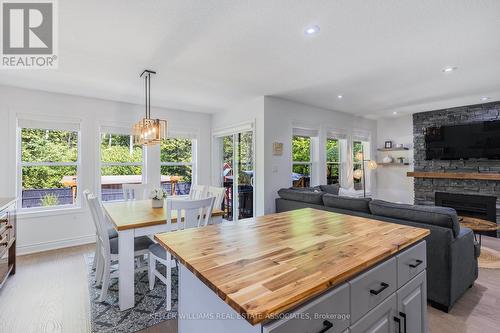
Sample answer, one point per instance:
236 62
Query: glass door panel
227 145
245 170
237 175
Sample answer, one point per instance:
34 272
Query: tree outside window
332 161
49 167
357 147
121 163
301 157
177 165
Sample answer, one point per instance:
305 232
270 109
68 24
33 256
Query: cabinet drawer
411 262
332 307
369 289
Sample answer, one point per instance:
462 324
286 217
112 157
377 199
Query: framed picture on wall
388 144
277 148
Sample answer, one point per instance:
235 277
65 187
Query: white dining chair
110 231
135 191
218 193
108 248
197 192
195 213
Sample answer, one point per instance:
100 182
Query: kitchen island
301 271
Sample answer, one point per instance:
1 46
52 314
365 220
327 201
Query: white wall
48 230
280 116
392 182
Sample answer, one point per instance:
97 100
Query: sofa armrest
464 266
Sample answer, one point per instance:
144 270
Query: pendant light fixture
149 131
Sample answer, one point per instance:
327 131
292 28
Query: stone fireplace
473 205
426 188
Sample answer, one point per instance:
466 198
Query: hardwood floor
49 294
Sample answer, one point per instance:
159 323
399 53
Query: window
332 161
361 151
121 163
357 148
177 165
301 161
49 167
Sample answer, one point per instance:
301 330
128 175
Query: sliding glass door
237 174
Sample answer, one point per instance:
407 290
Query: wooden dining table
132 219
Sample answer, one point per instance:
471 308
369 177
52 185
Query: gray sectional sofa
451 251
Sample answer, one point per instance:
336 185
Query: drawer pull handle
326 326
403 315
418 263
383 286
398 321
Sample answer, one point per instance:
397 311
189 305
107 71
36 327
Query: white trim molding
54 245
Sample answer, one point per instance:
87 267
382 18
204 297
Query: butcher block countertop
273 263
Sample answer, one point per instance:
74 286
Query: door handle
326 326
383 286
403 315
398 321
417 263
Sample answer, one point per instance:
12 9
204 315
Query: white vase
157 203
387 159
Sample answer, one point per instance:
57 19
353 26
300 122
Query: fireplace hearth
479 206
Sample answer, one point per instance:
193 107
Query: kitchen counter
270 265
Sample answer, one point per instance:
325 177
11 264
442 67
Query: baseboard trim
54 245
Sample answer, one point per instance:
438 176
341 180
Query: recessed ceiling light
394 113
485 98
449 69
311 30
340 96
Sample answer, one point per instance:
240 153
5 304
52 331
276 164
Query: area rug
489 258
149 307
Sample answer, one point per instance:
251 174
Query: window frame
192 164
308 163
62 127
365 149
338 163
101 164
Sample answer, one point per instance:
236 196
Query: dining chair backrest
99 221
218 193
194 213
197 192
135 191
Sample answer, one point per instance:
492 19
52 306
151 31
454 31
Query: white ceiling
382 56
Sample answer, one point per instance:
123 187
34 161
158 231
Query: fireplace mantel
455 175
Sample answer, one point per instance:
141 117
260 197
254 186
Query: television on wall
479 140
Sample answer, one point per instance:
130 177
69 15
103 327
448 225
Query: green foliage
49 199
301 149
62 146
245 154
332 150
176 150
48 146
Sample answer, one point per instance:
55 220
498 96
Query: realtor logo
28 34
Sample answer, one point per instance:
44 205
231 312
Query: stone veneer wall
425 188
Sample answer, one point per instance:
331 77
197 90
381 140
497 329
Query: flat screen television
479 140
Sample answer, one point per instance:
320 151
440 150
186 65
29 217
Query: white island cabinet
277 274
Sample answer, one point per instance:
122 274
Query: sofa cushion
313 197
439 216
306 189
332 189
349 203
